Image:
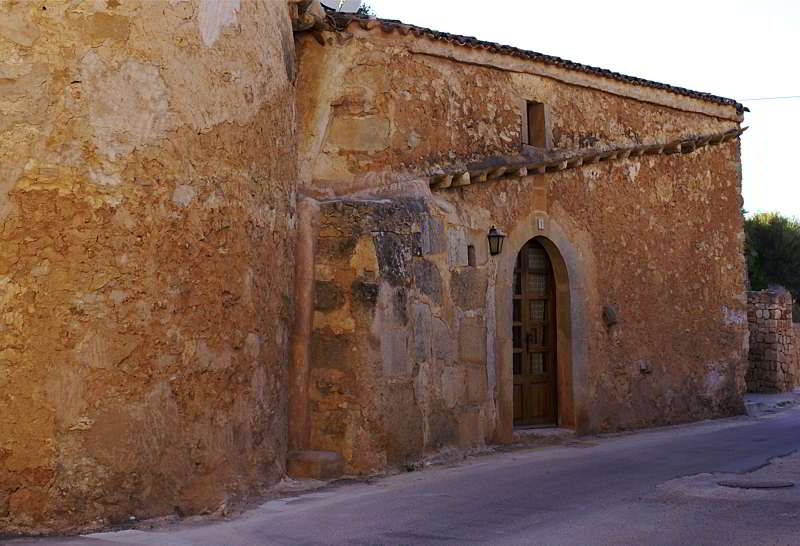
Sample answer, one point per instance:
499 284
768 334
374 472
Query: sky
741 49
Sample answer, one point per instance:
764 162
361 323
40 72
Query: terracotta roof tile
341 20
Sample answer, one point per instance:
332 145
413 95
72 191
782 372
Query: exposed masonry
520 166
305 15
341 21
774 358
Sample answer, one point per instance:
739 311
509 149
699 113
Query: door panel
533 335
519 401
538 401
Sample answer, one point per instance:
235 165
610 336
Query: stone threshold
542 435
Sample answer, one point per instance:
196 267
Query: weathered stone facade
399 343
411 344
774 357
147 183
174 323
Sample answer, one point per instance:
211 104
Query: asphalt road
655 487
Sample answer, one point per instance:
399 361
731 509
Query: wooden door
534 331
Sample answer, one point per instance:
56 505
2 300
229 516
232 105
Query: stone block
423 331
336 248
364 260
394 253
330 350
315 465
457 248
361 134
393 300
327 296
469 427
443 342
330 421
434 240
468 288
472 340
394 352
403 424
453 385
443 428
365 293
476 384
428 280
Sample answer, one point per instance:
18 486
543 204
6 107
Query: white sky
740 49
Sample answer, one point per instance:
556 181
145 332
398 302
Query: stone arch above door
572 339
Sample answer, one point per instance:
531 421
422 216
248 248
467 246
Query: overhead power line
772 98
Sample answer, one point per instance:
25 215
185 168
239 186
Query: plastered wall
147 179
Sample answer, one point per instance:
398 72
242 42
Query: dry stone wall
774 346
794 351
147 179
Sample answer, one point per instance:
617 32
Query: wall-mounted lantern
496 238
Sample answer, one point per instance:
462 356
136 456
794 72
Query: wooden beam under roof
519 167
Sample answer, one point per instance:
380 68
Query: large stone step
316 465
543 435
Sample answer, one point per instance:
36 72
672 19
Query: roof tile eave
500 167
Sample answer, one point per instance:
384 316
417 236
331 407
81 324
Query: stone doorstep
543 435
315 465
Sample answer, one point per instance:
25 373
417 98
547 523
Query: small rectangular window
471 255
537 125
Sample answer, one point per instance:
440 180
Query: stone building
228 247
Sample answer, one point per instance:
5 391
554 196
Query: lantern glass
496 239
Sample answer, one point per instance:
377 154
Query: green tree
773 251
366 11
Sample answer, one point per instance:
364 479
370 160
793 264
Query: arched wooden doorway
534 333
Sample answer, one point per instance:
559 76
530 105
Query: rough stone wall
147 178
372 112
773 357
794 351
661 241
658 237
398 352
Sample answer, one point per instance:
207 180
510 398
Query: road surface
655 487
